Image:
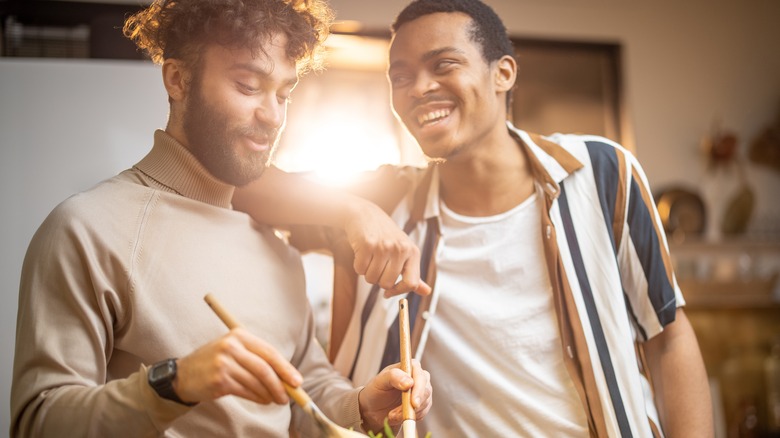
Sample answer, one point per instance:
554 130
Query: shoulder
97 213
593 149
388 185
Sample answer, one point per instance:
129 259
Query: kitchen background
693 88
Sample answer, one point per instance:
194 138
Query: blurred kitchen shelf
730 294
770 246
738 274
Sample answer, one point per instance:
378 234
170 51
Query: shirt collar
549 162
171 165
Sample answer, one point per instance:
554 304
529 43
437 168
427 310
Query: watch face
162 371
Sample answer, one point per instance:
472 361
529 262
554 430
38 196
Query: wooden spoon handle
298 394
406 357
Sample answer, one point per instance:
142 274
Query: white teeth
432 116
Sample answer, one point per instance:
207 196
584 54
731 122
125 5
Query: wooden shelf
728 274
730 294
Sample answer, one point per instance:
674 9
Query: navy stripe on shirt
604 161
645 238
593 316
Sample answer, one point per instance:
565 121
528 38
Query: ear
176 79
505 73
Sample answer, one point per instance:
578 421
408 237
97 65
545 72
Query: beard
213 141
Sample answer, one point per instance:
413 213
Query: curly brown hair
181 29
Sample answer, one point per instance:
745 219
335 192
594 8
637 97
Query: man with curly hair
113 335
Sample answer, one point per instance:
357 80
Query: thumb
423 289
392 379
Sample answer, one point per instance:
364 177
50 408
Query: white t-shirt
494 349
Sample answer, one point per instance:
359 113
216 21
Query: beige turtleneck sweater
113 281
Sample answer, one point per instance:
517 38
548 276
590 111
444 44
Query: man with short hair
555 311
113 335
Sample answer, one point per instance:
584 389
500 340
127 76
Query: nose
423 84
269 111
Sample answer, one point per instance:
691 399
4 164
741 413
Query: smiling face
445 93
235 109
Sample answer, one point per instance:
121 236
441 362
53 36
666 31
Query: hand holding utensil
299 395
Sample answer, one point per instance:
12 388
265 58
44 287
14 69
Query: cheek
399 106
395 102
235 111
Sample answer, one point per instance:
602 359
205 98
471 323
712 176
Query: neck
492 179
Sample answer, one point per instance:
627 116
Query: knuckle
384 284
220 364
220 385
392 247
223 345
265 373
229 344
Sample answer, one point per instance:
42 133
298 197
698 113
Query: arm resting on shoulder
382 250
680 380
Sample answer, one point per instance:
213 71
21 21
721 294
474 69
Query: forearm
382 250
62 382
121 408
680 380
280 198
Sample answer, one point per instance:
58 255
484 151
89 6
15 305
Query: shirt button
568 350
548 231
425 315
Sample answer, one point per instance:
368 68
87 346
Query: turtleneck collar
175 169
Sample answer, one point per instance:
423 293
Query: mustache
430 98
260 132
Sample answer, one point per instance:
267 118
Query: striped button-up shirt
608 262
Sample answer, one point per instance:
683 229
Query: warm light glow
357 53
336 148
339 122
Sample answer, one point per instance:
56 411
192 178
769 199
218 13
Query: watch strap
161 376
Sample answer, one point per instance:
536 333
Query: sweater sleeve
69 309
331 392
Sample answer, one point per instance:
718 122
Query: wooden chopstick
406 360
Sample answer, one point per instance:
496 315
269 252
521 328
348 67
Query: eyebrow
262 72
429 55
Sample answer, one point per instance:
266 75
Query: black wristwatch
161 376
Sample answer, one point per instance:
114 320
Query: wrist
355 209
368 422
162 377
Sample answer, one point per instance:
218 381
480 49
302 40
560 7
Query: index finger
422 380
281 366
410 281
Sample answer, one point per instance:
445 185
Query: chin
438 150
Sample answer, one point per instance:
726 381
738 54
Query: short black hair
487 29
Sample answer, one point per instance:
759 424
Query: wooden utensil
299 395
409 425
